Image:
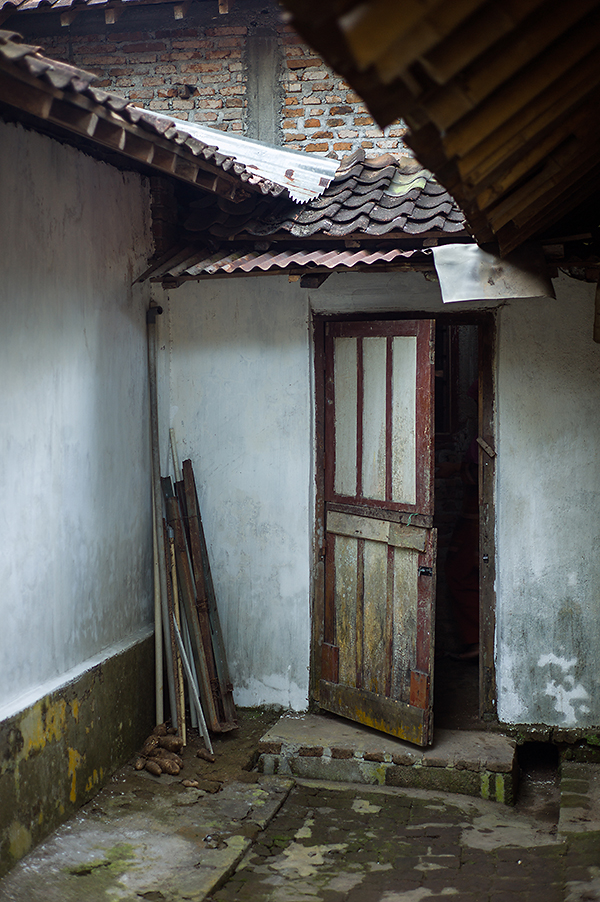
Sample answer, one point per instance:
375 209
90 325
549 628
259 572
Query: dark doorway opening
456 704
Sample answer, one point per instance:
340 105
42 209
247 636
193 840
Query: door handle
425 571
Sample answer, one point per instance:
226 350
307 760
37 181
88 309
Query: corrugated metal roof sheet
200 263
304 175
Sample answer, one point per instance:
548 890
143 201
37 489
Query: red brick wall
198 72
321 112
194 74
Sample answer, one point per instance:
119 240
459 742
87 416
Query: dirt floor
236 752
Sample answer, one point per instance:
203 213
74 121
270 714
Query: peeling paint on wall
569 696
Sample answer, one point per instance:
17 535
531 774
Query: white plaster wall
548 496
75 552
242 404
241 399
241 409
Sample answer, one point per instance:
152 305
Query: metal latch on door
425 571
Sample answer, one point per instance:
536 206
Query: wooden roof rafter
500 96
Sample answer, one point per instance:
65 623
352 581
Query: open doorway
456 518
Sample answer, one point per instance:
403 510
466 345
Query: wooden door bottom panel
385 714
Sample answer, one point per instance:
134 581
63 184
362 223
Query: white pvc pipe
158 656
157 495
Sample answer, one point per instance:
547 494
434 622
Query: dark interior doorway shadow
456 682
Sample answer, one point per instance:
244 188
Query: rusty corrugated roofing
60 95
370 196
200 263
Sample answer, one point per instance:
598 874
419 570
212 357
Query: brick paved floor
359 844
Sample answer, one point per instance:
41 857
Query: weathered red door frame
487 543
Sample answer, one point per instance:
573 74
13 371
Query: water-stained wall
238 356
548 507
75 557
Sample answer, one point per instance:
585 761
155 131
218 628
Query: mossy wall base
57 753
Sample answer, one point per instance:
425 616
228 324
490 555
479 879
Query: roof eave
77 115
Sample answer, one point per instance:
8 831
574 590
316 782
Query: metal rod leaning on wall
151 314
174 455
192 690
188 650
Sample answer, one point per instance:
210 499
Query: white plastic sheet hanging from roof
468 273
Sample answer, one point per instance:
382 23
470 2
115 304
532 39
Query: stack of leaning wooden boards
194 629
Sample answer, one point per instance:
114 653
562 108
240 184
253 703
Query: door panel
377 636
403 426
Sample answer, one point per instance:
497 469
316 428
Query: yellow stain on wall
92 780
42 723
75 760
75 709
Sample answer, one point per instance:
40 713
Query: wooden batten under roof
501 97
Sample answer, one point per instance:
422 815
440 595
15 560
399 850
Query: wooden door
378 613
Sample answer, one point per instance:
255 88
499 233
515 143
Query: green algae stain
115 861
20 840
485 786
500 788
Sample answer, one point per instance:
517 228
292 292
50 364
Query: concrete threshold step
579 798
325 747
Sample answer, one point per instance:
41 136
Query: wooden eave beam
551 113
523 63
489 24
81 116
360 238
424 35
511 236
467 131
